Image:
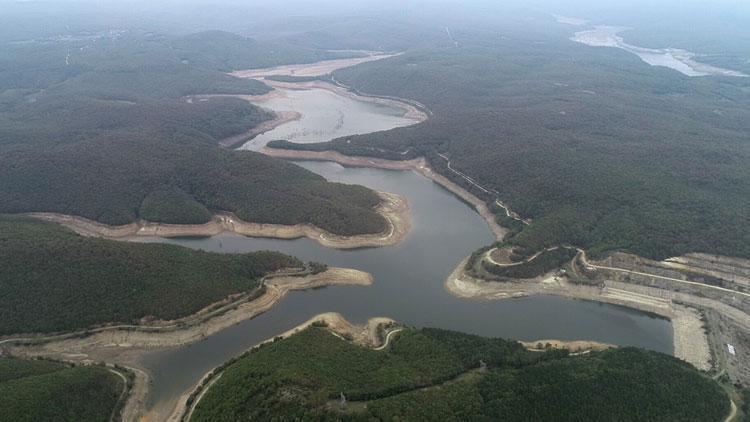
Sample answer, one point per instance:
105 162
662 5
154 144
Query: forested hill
54 280
40 391
98 127
431 374
600 149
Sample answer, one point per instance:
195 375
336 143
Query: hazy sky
715 20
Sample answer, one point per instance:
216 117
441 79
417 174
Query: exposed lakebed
409 277
326 115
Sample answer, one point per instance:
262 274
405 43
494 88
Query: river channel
680 60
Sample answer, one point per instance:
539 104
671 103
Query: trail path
732 411
471 181
123 395
388 338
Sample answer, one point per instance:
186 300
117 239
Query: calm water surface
325 116
408 287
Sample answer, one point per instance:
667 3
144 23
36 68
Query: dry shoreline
124 346
419 165
365 335
194 327
573 346
690 340
281 118
393 208
411 112
310 69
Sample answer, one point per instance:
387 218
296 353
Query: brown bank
393 208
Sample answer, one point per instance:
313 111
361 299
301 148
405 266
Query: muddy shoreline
393 208
418 165
690 341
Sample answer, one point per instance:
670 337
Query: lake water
325 116
673 58
408 277
408 287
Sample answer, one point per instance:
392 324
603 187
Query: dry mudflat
310 69
411 112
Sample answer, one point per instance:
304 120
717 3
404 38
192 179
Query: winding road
388 338
508 212
584 260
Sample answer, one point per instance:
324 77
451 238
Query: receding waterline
680 60
408 287
326 115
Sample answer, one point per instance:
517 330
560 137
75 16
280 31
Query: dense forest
52 279
599 149
431 374
541 264
39 391
100 127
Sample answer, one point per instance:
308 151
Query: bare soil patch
574 346
410 111
501 256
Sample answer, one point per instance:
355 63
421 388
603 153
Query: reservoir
408 278
326 115
673 58
408 287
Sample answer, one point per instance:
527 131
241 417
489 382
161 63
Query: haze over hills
603 145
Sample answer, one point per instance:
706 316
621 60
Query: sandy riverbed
393 208
690 339
411 112
419 165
